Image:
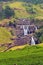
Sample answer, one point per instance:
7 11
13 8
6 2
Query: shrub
8 12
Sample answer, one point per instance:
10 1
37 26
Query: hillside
4 35
27 56
23 9
21 32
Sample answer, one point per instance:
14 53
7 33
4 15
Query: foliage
25 10
39 35
8 12
31 10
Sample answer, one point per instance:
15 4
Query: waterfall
32 41
25 30
35 28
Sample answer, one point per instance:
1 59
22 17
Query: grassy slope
22 13
30 55
4 35
18 13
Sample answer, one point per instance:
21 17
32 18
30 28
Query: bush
39 35
8 12
31 10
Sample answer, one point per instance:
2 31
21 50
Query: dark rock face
27 24
23 22
37 41
17 30
22 40
19 41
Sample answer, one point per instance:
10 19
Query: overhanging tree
8 12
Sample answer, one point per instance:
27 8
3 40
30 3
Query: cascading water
32 41
25 30
35 28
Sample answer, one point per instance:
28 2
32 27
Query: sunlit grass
39 17
17 5
5 35
41 44
19 47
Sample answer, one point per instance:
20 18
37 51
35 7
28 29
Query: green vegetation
39 35
22 10
5 35
25 10
30 55
17 9
31 1
8 12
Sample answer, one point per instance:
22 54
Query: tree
8 12
31 10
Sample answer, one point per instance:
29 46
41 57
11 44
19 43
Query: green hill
26 10
30 55
22 10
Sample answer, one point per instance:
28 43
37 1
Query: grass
4 35
23 13
18 47
30 55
